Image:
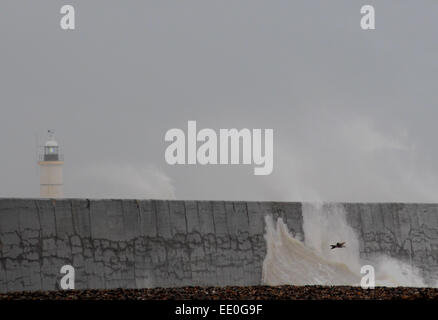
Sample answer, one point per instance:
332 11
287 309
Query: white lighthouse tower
51 162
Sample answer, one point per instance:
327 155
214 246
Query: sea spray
325 224
289 261
312 262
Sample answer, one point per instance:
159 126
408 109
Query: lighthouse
51 162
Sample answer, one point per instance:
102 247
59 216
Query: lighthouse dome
51 143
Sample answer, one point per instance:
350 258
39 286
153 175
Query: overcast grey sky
354 112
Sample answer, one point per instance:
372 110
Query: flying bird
337 245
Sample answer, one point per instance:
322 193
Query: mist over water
312 262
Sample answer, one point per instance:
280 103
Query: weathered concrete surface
408 232
134 244
150 243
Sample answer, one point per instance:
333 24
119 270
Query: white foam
290 261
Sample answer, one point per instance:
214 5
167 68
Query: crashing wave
312 262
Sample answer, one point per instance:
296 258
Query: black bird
337 245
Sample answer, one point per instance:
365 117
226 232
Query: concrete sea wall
157 243
408 232
130 243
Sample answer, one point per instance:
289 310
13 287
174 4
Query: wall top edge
228 201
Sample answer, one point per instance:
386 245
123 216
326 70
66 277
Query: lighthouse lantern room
51 165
